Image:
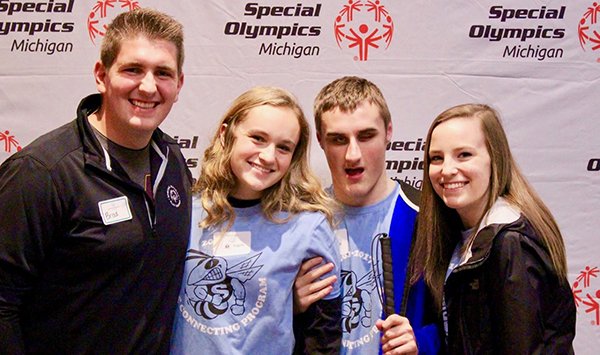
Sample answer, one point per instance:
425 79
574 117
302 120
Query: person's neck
114 134
241 203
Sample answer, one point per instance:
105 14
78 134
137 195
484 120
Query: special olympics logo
589 28
102 13
585 295
173 196
363 25
9 142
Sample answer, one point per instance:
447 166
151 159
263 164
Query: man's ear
100 76
388 132
179 86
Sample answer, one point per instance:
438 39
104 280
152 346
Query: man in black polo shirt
96 214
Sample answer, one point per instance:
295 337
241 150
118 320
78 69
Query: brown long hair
299 189
438 229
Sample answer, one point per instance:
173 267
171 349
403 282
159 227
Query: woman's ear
222 133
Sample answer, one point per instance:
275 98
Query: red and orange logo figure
9 142
103 12
584 294
589 28
363 25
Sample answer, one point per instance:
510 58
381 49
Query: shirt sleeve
319 330
26 192
324 244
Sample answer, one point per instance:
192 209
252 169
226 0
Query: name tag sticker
231 243
115 210
342 237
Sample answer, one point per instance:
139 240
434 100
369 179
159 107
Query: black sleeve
28 215
318 330
10 330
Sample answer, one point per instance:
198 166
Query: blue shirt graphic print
236 294
361 268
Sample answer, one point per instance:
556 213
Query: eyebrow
258 131
462 147
366 130
141 65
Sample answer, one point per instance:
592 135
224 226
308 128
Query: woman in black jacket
487 245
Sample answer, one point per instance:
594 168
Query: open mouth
260 168
142 104
354 171
454 185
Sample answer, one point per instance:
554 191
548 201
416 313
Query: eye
165 73
337 140
464 154
434 159
363 137
285 148
257 138
132 70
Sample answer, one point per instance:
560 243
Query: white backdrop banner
537 62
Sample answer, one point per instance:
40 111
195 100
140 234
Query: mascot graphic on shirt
356 303
212 287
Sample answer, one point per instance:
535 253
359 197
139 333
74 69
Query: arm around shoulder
318 330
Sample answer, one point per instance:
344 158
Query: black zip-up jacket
507 298
89 263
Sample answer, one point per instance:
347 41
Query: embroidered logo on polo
173 196
214 289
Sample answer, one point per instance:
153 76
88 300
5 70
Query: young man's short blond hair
345 94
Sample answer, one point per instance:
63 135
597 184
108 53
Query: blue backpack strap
401 232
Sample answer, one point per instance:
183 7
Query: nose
353 153
449 167
267 154
148 84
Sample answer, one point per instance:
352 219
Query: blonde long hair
439 227
299 190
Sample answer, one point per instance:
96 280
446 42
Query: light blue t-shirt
237 291
361 303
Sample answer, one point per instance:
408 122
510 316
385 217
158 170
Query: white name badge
342 237
115 210
231 243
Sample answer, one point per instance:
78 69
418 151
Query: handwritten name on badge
115 210
232 243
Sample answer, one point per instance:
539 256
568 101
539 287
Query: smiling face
459 167
354 144
263 149
138 90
